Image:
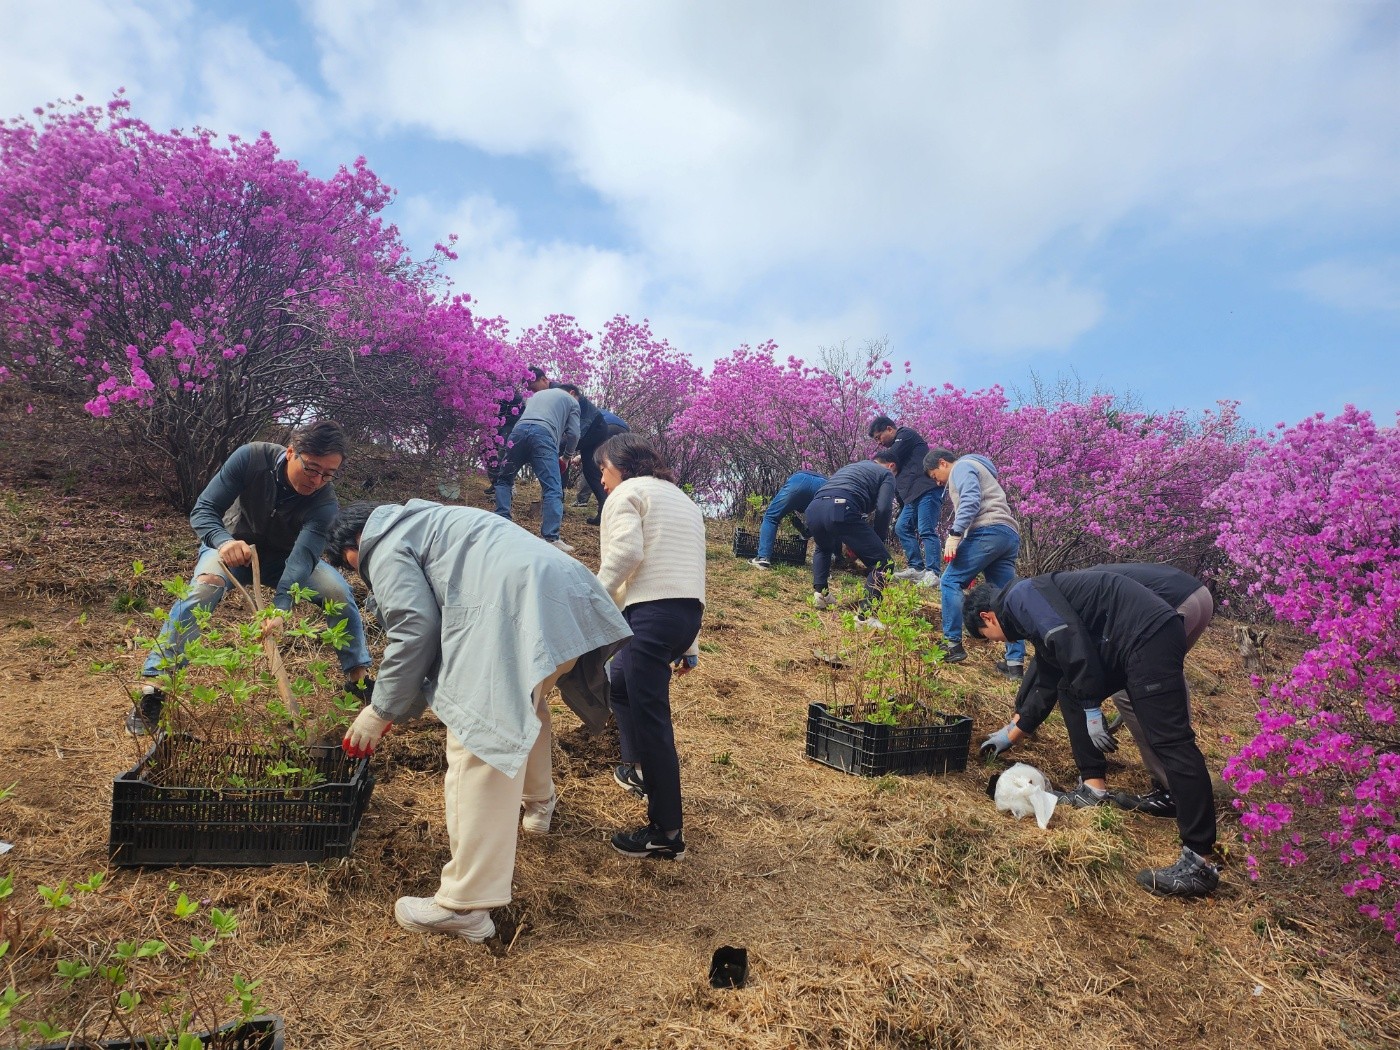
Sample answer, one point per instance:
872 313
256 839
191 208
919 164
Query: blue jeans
916 528
991 551
533 444
180 627
793 497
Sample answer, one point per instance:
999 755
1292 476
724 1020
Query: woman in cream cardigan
653 565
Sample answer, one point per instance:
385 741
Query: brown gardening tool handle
274 658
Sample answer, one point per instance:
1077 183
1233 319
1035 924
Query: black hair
936 456
634 456
880 423
570 387
345 533
886 455
536 372
983 599
321 438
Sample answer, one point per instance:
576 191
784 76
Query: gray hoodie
478 612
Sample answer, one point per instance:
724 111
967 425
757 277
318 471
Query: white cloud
1354 285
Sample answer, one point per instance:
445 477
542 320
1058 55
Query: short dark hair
983 599
880 423
886 455
570 387
936 456
345 533
634 457
321 438
536 373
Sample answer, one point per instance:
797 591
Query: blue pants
793 497
180 628
916 528
835 521
640 695
992 551
533 444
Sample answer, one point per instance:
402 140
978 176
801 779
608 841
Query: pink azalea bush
199 291
1313 523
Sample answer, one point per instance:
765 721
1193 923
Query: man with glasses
280 500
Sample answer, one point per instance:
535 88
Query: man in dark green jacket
281 501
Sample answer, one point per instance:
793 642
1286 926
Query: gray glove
1098 732
997 743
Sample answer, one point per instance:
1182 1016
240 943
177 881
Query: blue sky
1189 201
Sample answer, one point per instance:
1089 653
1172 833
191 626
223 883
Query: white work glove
950 548
365 733
1098 732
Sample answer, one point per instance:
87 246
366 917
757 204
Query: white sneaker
425 915
928 579
910 573
760 563
869 623
567 548
538 815
822 601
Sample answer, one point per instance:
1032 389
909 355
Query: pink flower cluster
1313 523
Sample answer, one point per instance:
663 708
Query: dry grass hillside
892 912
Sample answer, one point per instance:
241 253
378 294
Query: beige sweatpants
483 813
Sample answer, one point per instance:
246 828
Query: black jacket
869 487
1170 584
1084 626
910 449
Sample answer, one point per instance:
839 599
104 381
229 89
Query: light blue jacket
478 612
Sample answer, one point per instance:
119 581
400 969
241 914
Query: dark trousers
640 694
588 443
1157 687
834 521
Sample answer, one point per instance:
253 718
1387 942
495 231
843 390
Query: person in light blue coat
793 498
483 620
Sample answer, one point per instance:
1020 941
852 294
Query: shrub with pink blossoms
1313 523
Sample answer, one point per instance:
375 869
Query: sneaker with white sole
567 548
910 573
538 815
1085 797
822 600
143 719
928 579
869 623
629 778
1156 803
1191 876
425 915
760 563
649 843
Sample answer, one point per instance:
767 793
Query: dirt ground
892 912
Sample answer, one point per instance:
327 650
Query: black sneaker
583 501
1085 797
363 690
627 778
597 519
1156 803
145 716
953 652
649 843
1016 671
1191 876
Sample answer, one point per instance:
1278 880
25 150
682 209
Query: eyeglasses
315 472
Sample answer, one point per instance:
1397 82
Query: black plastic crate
870 750
158 824
787 550
264 1032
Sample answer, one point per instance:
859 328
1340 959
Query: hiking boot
760 563
910 573
1085 797
145 716
869 623
1191 876
649 843
953 652
928 579
1016 670
629 779
1156 803
567 548
822 600
538 815
425 915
